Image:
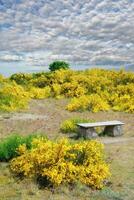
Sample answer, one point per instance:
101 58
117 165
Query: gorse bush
62 162
39 82
21 78
70 125
9 145
39 93
92 103
94 90
13 97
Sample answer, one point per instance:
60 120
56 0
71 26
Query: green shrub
70 125
21 78
9 145
59 64
53 163
39 82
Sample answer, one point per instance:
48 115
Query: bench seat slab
107 123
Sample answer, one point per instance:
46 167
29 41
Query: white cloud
96 31
10 58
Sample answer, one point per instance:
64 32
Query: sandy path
113 140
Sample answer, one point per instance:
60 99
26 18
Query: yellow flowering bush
73 89
2 80
63 162
80 103
70 125
93 103
13 97
39 93
61 76
94 90
56 89
21 78
39 82
124 103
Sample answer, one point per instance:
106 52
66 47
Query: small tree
56 65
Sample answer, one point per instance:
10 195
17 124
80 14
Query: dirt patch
25 116
45 116
116 140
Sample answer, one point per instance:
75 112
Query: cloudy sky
83 32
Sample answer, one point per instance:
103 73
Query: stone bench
112 128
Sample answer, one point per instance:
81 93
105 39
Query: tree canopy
59 64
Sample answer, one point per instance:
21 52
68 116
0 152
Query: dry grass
54 113
120 155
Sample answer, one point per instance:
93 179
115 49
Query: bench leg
113 130
87 133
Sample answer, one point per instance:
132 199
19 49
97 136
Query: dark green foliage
40 74
21 78
39 79
56 65
9 145
40 82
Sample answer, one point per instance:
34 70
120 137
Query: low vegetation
94 90
55 163
13 97
70 125
9 145
120 186
92 103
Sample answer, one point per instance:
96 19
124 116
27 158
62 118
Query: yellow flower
63 162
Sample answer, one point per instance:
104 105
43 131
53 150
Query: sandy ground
45 116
